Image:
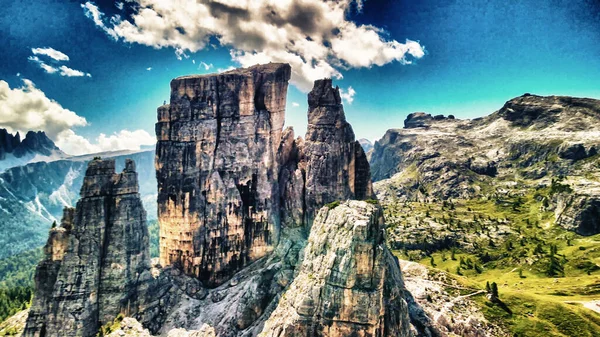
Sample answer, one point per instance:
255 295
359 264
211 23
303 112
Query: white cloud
149 68
66 71
314 36
205 65
51 53
28 108
222 70
294 104
347 95
61 70
119 5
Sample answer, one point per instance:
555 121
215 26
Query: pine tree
494 290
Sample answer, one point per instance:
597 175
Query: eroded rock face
95 260
343 287
217 170
336 165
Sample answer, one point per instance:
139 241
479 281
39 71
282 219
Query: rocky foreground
257 237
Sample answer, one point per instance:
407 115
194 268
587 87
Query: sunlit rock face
96 259
217 172
348 283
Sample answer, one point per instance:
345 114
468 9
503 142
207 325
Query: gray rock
94 261
348 284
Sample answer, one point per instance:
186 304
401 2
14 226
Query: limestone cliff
342 286
217 169
95 260
239 253
336 164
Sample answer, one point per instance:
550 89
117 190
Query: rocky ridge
531 143
36 146
33 196
237 197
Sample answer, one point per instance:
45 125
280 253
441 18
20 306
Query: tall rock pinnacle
217 170
96 258
336 165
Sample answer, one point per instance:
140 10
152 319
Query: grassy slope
542 304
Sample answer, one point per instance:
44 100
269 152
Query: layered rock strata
217 170
95 260
345 285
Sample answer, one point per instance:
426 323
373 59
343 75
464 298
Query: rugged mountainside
34 195
239 252
532 143
36 146
502 214
331 284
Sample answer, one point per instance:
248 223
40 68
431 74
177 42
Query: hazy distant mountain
366 144
36 146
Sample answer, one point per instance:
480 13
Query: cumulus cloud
295 104
28 108
149 68
51 53
348 94
75 144
314 36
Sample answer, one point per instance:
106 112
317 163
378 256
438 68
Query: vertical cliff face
336 165
217 170
343 284
97 258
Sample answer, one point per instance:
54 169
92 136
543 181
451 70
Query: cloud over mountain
315 37
28 108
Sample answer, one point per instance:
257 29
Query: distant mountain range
36 146
38 180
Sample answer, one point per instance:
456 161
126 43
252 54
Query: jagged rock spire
96 259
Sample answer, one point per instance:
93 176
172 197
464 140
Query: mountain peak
14 152
544 111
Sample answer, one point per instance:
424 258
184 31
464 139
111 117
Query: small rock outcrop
345 285
96 260
217 170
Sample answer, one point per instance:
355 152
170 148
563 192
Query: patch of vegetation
507 237
372 201
110 327
333 205
537 316
14 300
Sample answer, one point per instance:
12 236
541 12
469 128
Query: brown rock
348 284
217 170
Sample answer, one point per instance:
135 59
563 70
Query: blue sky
478 54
